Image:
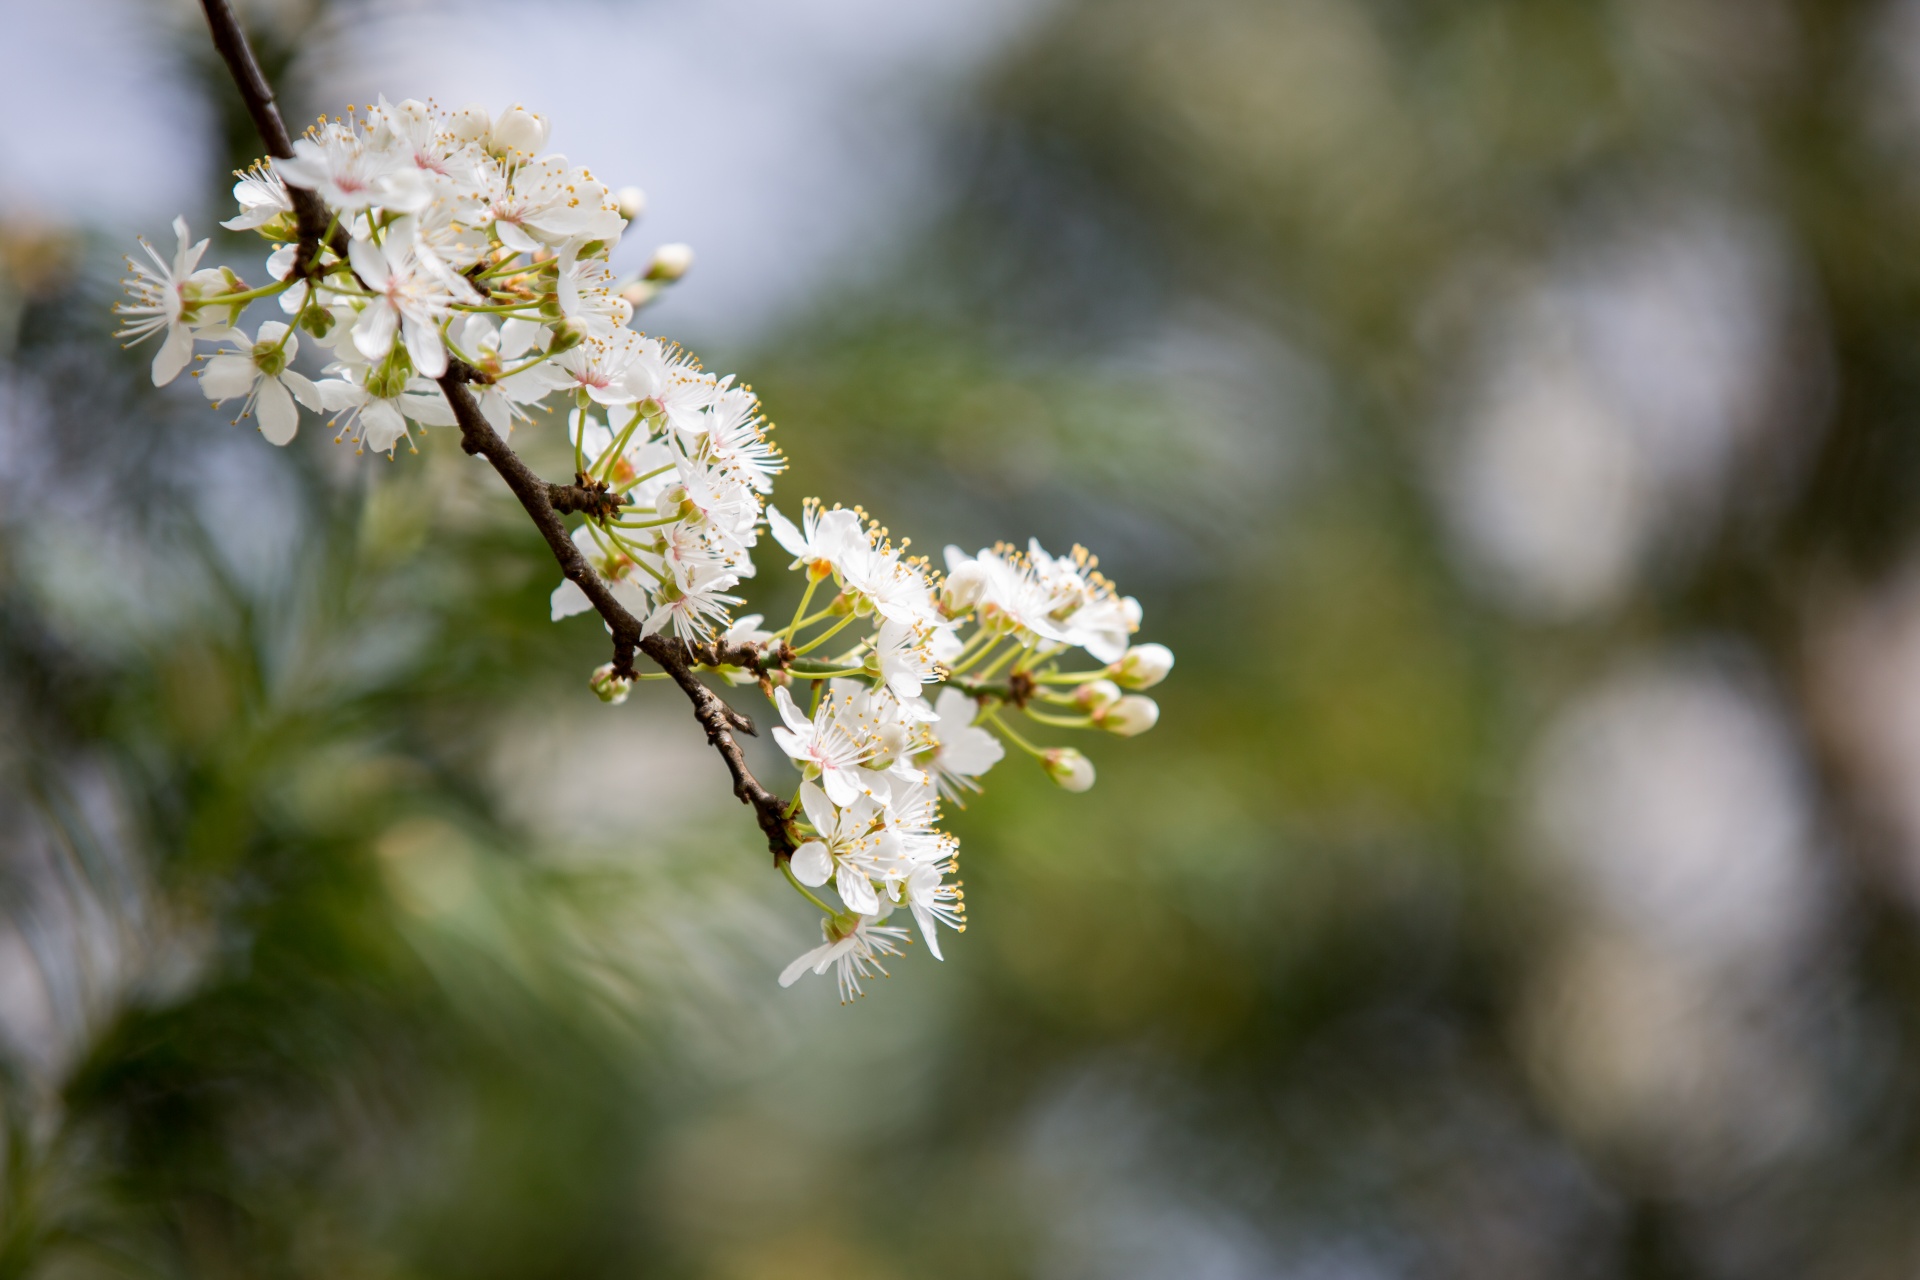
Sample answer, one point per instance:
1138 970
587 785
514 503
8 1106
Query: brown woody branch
585 496
676 659
542 501
1016 691
309 213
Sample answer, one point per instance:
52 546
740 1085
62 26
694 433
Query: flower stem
603 466
805 597
993 718
962 667
1000 662
823 637
805 892
1062 722
264 291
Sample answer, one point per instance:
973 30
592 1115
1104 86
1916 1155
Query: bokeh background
1509 410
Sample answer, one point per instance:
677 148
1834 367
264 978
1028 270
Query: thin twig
231 40
676 659
542 501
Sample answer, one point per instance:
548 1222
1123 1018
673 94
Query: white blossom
260 375
962 751
833 746
544 203
903 656
843 848
821 539
452 237
852 949
338 163
166 300
262 197
408 301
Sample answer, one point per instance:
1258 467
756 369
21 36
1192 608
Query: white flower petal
382 426
839 787
424 345
569 599
369 263
856 891
819 810
791 974
227 377
304 390
928 933
812 864
373 332
275 413
800 724
176 351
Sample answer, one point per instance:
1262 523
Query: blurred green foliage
320 986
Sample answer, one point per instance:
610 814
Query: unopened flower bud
609 687
567 335
1132 715
632 201
1069 769
520 130
1096 696
1143 666
640 293
670 262
470 123
964 586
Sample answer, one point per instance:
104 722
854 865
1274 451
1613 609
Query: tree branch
231 40
542 501
676 659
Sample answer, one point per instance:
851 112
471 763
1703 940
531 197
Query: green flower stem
808 621
805 597
993 718
580 402
804 891
973 641
233 299
447 337
603 466
967 663
1073 677
1000 662
823 637
519 368
1060 722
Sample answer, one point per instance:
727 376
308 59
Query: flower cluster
453 238
877 757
